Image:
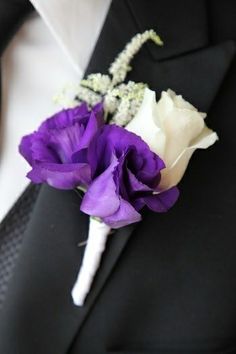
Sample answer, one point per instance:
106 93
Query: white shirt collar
75 24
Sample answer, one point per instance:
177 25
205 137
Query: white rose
173 129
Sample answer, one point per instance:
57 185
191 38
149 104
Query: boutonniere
122 148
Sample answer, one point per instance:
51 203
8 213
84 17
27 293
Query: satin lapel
188 35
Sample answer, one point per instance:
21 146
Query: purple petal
25 148
99 113
150 172
64 118
41 151
101 198
66 141
34 147
90 131
136 185
125 215
79 112
62 176
162 202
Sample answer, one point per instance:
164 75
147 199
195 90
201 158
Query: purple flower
125 178
57 151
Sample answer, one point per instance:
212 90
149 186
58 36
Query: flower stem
97 237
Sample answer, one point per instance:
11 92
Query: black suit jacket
168 284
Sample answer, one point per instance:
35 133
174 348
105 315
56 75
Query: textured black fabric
168 285
12 230
12 14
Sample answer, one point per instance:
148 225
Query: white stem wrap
97 237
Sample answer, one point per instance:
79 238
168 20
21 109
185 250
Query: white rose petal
144 124
173 129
